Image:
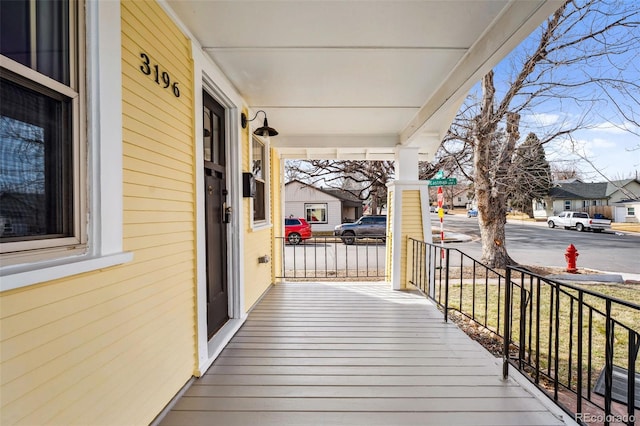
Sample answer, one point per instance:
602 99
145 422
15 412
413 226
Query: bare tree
366 180
564 66
560 171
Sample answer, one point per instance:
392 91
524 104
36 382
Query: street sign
443 182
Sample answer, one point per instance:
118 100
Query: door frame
209 77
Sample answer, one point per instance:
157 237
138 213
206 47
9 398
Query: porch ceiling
353 79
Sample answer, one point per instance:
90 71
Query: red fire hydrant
571 255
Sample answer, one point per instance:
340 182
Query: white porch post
408 200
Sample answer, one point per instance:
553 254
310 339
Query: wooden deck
353 354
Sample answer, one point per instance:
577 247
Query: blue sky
608 140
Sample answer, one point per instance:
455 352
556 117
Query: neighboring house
594 198
322 208
454 195
460 196
137 121
627 211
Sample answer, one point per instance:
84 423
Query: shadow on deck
354 354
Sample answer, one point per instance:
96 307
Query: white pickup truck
578 220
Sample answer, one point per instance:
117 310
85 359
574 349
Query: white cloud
615 128
543 119
601 143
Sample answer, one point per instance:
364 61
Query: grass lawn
484 301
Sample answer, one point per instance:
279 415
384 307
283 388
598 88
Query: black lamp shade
265 128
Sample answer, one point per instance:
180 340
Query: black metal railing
577 345
458 282
328 258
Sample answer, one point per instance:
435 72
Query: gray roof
587 191
615 185
580 190
347 198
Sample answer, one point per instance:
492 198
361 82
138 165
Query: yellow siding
411 227
390 215
113 346
276 214
257 242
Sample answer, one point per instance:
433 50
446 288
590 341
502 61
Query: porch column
407 215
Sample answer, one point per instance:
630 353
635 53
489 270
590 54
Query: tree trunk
491 198
528 209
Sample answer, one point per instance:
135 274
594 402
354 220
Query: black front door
216 216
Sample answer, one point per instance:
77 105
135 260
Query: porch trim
398 187
207 76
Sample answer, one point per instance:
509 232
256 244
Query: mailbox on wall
248 185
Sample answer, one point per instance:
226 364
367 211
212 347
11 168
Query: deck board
353 354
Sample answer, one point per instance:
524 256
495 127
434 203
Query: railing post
580 372
523 322
634 344
608 363
506 324
446 285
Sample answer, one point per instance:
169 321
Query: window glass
213 137
36 34
631 211
258 162
35 157
40 144
316 213
567 205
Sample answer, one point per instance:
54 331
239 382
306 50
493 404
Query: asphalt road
536 244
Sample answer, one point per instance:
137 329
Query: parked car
472 213
296 230
434 209
578 220
373 226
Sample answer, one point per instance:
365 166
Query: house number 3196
161 78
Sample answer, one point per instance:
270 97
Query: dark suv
365 227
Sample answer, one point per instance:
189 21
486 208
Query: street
536 244
527 243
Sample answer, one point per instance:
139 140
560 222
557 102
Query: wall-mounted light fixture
265 130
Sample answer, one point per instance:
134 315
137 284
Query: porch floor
353 354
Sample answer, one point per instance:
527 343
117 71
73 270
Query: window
631 211
40 147
258 165
44 117
315 213
567 205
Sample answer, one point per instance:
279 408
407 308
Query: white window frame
631 211
567 204
27 250
100 170
326 215
261 224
